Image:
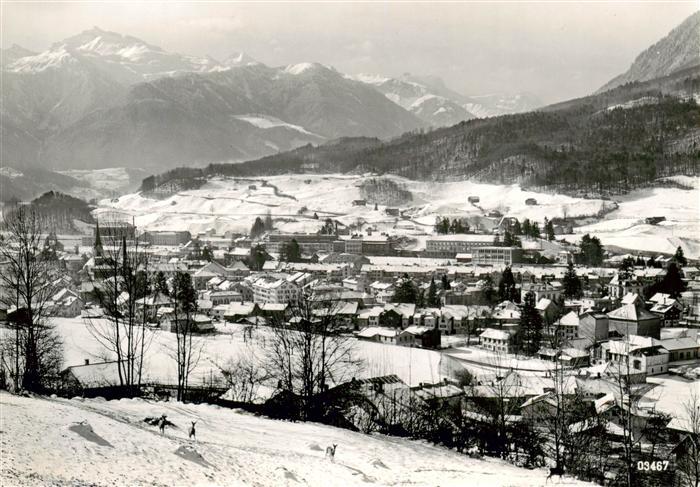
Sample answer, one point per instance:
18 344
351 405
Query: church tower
97 249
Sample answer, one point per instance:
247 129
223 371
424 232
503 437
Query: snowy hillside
99 442
231 204
626 228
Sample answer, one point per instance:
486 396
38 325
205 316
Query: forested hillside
59 212
610 142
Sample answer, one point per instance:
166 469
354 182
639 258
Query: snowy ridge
370 79
240 59
42 61
419 99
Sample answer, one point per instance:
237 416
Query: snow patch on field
690 182
269 122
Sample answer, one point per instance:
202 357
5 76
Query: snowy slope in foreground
47 446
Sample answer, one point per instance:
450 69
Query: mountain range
611 141
101 99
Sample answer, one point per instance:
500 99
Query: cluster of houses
610 328
366 279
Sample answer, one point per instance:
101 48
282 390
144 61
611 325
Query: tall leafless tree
307 352
188 350
121 280
689 461
27 280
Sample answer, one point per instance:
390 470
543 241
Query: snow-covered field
95 442
232 204
625 227
412 365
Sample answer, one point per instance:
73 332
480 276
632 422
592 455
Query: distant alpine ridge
430 100
102 99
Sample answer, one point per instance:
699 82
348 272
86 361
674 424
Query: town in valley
466 291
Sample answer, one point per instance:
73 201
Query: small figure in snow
161 424
193 433
555 471
330 452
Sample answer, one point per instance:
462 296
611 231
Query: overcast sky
554 50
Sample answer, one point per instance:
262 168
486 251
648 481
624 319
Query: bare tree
622 376
244 376
307 352
556 411
689 458
642 431
121 280
188 350
496 402
27 281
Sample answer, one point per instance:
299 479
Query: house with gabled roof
633 319
206 273
496 340
643 355
681 349
668 309
394 336
567 328
92 380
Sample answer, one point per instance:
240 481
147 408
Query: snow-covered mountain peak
13 53
124 58
240 59
370 79
54 58
100 42
679 50
302 68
